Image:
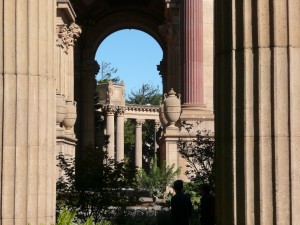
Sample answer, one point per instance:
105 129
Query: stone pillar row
27 112
257 89
116 144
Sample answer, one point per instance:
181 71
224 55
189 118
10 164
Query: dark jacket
181 209
207 210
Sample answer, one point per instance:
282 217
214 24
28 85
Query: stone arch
93 33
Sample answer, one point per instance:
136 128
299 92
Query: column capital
139 122
67 35
120 111
110 110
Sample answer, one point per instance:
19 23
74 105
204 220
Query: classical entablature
144 112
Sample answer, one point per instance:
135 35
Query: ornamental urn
172 107
60 108
71 115
162 117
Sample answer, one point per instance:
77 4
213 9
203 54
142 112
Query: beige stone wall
27 109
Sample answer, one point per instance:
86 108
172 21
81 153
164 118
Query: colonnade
115 147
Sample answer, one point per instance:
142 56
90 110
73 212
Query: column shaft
138 144
110 130
257 98
27 121
120 135
193 52
86 104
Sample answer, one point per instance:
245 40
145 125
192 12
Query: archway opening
131 56
135 55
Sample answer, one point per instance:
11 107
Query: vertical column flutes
256 74
27 112
193 52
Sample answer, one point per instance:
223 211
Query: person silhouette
207 206
181 205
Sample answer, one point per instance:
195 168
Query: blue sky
135 54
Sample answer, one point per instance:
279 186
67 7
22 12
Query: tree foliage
147 94
199 153
107 72
105 185
158 178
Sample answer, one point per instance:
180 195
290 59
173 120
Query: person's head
178 185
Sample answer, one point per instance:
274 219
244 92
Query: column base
195 112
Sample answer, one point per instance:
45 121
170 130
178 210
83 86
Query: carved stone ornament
110 110
120 111
139 123
66 36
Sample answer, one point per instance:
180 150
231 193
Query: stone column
120 134
110 130
86 104
257 93
27 112
139 144
193 53
193 107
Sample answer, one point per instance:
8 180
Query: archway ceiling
91 11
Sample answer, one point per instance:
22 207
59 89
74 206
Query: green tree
105 185
146 95
107 72
199 153
158 178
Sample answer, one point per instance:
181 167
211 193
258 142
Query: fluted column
110 130
193 53
27 112
138 144
257 89
86 104
120 134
